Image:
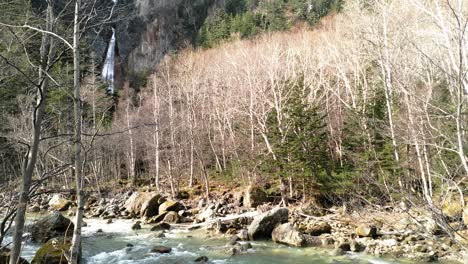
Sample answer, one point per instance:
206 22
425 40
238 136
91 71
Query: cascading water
108 69
109 63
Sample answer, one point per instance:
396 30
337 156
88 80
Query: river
110 247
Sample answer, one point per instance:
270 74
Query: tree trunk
31 156
76 240
131 154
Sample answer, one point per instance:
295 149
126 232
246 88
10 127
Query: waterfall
108 69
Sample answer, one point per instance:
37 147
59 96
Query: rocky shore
400 232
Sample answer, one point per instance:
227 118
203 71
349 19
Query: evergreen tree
300 141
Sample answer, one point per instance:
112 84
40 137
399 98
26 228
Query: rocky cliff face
147 30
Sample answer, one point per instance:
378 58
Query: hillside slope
363 105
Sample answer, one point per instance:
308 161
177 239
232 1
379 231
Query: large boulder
59 203
262 226
52 252
5 257
144 204
156 219
254 196
51 226
169 205
286 234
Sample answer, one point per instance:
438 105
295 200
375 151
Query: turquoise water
111 247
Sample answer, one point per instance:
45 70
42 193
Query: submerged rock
161 249
286 234
136 226
202 259
51 226
263 225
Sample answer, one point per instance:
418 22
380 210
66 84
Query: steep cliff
147 30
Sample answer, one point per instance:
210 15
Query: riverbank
408 234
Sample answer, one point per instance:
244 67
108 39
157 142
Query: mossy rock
52 253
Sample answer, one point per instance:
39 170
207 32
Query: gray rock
171 217
169 205
356 246
312 241
337 252
51 226
286 234
161 226
243 234
366 231
156 219
136 226
327 241
59 203
263 225
143 204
